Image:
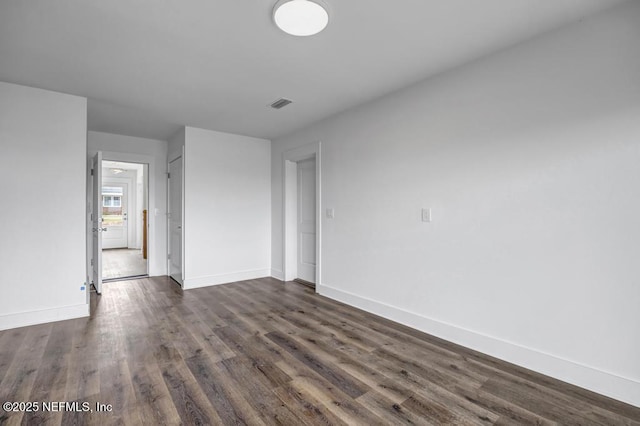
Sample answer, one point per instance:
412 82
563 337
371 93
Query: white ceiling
150 66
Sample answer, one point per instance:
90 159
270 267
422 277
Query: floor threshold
131 277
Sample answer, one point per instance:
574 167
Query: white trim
23 319
277 274
289 183
184 204
605 383
209 280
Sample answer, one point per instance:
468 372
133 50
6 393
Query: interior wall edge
277 274
621 388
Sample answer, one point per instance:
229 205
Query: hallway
121 263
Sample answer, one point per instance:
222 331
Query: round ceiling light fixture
301 17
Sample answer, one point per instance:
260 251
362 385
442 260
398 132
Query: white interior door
175 220
114 206
307 220
96 222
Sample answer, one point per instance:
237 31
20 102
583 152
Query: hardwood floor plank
344 382
390 411
83 379
308 382
435 412
595 412
253 350
50 382
263 352
188 399
228 401
20 375
429 391
509 412
544 402
153 398
310 410
258 392
9 344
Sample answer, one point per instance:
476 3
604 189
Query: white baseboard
209 280
277 274
605 383
23 319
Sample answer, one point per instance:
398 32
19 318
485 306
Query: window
111 201
112 208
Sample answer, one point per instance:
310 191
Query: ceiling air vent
281 103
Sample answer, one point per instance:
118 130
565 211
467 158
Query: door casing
96 222
290 206
306 220
172 233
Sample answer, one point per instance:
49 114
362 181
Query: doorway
123 204
301 215
175 220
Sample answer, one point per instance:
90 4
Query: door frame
151 200
290 160
94 258
180 156
304 227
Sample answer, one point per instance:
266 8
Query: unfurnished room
312 212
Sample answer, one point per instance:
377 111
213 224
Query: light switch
426 215
330 214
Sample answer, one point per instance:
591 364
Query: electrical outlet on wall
330 213
426 215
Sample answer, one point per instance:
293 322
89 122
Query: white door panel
96 224
115 215
307 220
308 249
175 220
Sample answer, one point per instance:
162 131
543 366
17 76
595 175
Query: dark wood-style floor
264 352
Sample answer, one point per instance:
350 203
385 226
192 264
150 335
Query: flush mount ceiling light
301 17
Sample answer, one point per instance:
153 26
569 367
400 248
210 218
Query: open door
96 222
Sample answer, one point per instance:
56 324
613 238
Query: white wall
154 153
227 208
42 257
530 161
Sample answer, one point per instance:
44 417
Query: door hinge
91 172
168 255
91 262
168 175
